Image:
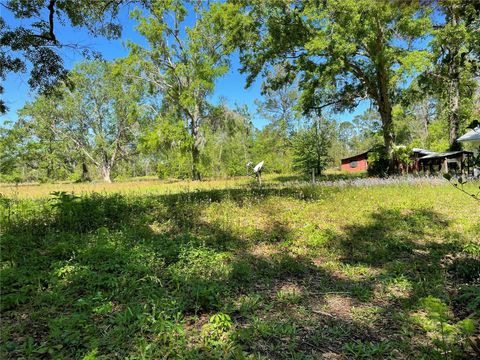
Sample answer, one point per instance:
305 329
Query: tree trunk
319 169
195 145
387 128
106 173
425 117
195 160
383 100
318 149
50 161
85 174
453 84
385 110
49 170
453 110
219 168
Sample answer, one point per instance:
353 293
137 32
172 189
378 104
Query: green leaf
467 326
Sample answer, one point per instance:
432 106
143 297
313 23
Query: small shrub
435 318
242 272
288 265
288 296
247 304
378 162
466 268
216 334
200 277
469 295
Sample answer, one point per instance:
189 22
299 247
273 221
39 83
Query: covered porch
444 162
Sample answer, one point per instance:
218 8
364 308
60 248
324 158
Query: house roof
472 135
436 155
356 156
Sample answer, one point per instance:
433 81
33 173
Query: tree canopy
412 66
35 43
181 64
99 117
342 52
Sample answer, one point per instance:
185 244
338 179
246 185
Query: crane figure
257 171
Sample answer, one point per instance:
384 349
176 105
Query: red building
421 160
355 163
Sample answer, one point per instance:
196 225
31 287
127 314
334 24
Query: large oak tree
342 52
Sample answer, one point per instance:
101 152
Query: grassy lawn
221 269
151 185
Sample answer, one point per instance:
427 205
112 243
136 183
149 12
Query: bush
378 162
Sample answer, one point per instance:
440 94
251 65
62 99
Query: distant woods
415 65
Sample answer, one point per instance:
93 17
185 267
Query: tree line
415 63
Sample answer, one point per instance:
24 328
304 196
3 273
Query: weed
367 350
449 337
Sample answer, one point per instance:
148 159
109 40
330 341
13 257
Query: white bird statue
258 167
257 170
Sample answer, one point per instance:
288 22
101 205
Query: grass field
224 269
152 185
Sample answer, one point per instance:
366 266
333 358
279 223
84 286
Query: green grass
151 185
282 271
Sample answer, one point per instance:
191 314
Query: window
353 164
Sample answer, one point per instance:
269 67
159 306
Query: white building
473 136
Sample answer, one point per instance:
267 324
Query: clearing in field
282 271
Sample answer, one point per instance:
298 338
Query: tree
279 108
170 144
267 146
11 153
368 131
228 139
44 151
180 67
311 147
455 46
99 117
424 112
342 51
342 135
279 105
31 152
36 43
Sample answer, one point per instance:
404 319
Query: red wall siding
361 165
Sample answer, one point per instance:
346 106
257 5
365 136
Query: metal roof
434 155
472 135
422 151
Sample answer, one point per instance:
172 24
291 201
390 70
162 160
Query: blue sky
230 87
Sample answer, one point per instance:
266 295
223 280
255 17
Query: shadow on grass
323 177
289 178
116 276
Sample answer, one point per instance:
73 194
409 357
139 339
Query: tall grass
229 270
